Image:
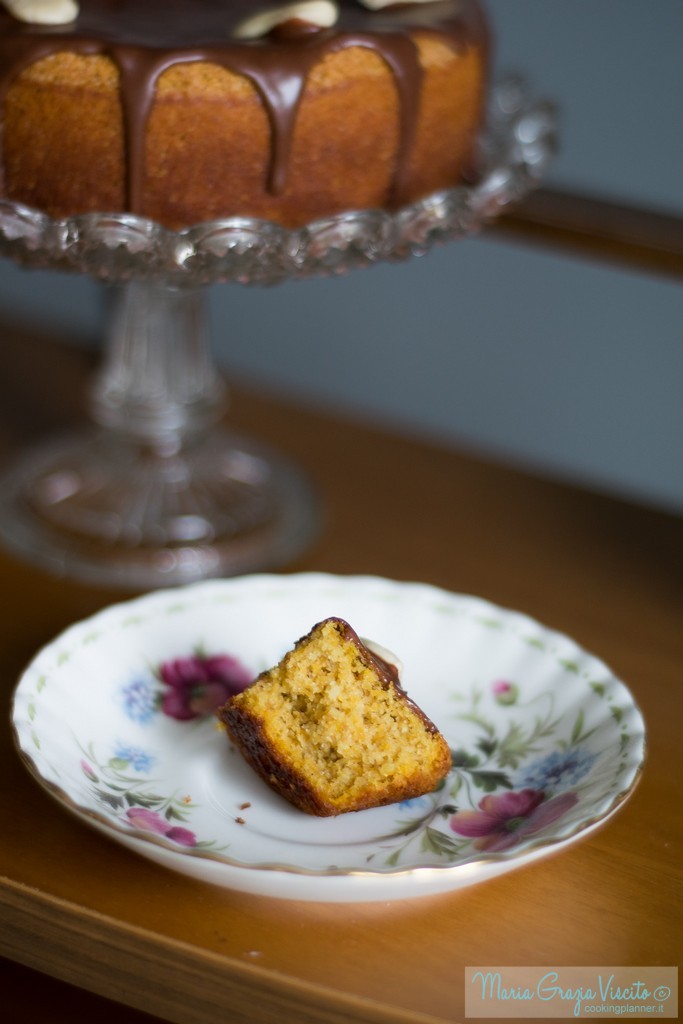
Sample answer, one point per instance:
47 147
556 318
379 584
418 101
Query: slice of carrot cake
331 729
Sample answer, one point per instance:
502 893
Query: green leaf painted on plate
569 666
490 781
437 842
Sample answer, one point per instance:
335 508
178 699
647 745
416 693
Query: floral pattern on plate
115 718
191 686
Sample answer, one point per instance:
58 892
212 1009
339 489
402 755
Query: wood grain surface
79 908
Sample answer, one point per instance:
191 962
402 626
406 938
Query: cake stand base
156 492
99 509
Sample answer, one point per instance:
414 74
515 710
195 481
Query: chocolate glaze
144 38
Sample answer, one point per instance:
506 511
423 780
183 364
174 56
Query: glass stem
158 385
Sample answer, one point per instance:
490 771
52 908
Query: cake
184 111
331 729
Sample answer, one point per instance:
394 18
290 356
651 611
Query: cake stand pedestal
156 492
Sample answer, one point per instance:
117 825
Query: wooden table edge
179 982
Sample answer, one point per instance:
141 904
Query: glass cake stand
157 491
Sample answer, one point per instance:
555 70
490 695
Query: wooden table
79 908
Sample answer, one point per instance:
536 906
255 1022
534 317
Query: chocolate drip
144 38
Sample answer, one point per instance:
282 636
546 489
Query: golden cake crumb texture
331 730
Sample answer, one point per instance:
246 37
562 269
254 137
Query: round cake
185 111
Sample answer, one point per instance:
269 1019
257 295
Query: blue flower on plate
558 770
139 760
413 803
139 700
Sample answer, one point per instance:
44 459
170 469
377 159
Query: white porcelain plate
108 718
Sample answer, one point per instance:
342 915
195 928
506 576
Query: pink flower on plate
182 836
150 821
504 692
147 820
504 819
89 771
197 685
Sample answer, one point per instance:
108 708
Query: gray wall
571 368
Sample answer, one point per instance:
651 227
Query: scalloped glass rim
525 708
516 147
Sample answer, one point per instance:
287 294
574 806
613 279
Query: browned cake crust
309 744
205 147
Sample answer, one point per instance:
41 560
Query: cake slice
331 729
